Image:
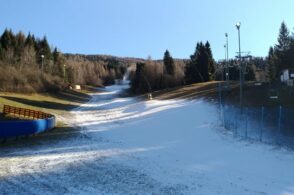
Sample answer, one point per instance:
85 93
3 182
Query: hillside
125 61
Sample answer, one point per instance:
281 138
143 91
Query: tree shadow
47 138
72 95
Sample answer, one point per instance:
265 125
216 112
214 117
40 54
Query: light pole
238 25
64 74
42 63
224 66
227 58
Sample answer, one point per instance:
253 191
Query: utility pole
238 25
223 67
42 63
227 58
64 73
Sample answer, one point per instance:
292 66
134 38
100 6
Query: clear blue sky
139 28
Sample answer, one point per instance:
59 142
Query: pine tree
282 48
19 45
7 40
169 63
284 38
272 65
211 64
291 51
55 55
8 46
43 49
137 80
192 72
1 52
58 63
30 40
201 65
203 62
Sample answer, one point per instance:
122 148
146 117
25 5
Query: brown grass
59 103
203 90
253 96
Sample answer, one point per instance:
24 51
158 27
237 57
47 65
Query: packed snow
133 146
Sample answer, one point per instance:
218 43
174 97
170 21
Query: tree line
168 72
29 64
281 56
201 67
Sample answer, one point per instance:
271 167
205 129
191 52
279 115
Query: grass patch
197 90
59 103
253 95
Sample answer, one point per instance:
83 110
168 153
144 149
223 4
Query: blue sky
141 28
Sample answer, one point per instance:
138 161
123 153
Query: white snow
130 146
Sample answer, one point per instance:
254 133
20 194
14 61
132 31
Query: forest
28 64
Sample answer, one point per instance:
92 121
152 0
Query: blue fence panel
253 127
25 127
286 136
270 125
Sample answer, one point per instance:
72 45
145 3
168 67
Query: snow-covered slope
128 146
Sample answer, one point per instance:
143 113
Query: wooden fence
25 112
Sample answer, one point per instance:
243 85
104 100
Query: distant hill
111 60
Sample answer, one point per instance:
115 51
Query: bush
13 80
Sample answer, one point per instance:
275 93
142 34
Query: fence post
261 127
280 118
220 103
223 113
279 123
246 122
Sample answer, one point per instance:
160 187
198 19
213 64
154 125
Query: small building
77 87
260 75
287 76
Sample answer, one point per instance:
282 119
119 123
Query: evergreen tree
138 78
169 63
201 65
211 64
1 52
43 49
58 62
291 52
7 39
55 55
30 40
284 38
19 45
192 72
282 48
203 62
271 65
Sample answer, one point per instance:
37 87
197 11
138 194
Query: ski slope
130 146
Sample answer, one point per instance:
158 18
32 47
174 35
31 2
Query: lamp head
238 25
